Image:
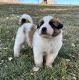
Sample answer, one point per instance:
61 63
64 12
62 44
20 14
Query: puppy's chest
50 45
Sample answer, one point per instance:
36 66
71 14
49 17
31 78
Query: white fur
46 46
42 44
46 21
50 46
23 34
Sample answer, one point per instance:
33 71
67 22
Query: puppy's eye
51 23
41 23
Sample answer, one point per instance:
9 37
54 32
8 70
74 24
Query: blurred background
42 1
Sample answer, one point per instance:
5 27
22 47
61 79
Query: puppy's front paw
36 69
49 65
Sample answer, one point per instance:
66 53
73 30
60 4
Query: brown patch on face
56 22
56 32
56 25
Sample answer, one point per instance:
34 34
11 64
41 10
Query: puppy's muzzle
44 30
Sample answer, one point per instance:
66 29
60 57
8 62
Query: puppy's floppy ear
60 26
57 24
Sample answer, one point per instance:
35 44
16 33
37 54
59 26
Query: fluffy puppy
47 41
24 33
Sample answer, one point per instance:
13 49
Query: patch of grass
66 65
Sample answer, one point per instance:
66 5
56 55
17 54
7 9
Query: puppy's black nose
44 29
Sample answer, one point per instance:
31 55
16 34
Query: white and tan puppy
24 33
47 41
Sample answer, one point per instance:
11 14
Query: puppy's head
49 27
25 18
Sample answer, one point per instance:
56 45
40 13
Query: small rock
7 17
31 73
73 56
17 16
10 58
74 78
73 45
67 60
2 61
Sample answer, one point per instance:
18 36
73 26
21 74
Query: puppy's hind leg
20 38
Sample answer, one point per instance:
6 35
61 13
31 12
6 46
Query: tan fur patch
56 32
31 32
56 22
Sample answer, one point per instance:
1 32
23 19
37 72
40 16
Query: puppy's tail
25 18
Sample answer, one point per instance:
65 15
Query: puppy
24 33
47 41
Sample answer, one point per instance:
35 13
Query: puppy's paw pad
35 69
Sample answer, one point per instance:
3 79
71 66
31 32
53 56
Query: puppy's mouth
45 35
